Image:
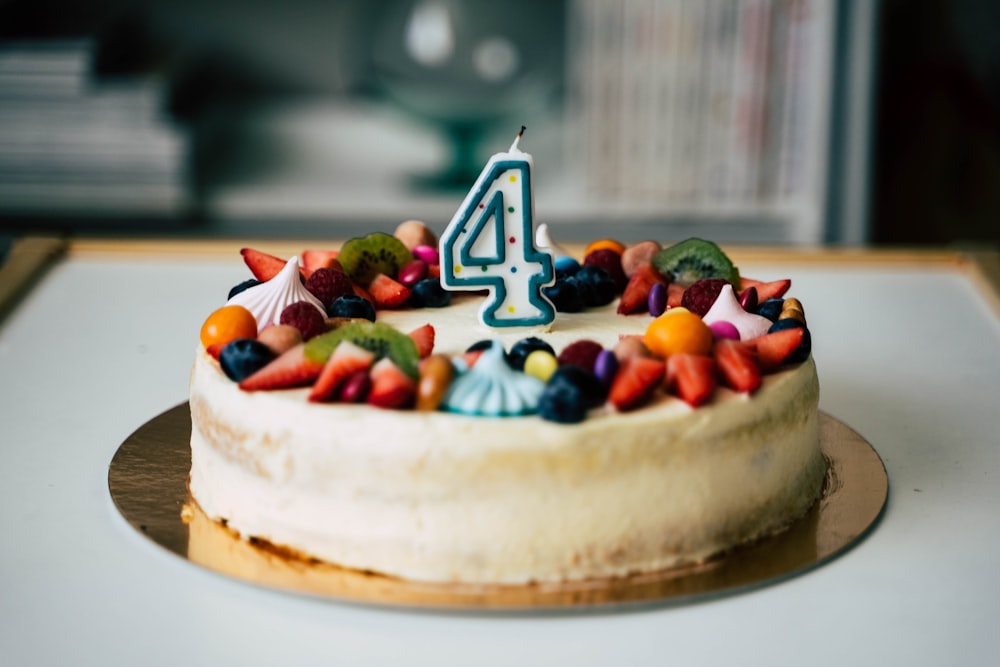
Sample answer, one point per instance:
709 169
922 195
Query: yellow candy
678 331
540 364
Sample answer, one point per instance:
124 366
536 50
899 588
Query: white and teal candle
489 244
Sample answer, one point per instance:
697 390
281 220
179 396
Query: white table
908 349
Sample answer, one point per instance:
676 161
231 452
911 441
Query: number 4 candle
489 244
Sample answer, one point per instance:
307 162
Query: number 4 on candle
490 244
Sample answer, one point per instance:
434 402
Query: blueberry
522 348
351 305
593 391
243 286
566 266
428 293
597 286
564 295
243 357
770 308
801 353
563 403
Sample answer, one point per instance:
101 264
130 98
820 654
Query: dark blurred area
205 117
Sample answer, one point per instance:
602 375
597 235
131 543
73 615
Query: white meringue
728 309
268 299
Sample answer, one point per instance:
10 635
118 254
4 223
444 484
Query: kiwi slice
382 339
365 257
693 259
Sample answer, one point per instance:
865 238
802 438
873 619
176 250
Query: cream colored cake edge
442 497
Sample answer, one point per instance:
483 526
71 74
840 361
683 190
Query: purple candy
606 366
723 329
656 302
427 253
748 299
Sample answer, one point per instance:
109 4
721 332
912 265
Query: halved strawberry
313 258
692 377
766 290
387 292
215 349
675 293
424 338
737 364
262 265
347 359
364 294
290 369
773 348
635 298
635 382
391 387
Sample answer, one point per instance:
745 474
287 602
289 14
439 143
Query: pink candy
723 330
427 253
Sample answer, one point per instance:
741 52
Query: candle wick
517 139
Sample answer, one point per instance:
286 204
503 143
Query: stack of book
72 144
700 102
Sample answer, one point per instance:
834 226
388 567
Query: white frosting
443 497
268 299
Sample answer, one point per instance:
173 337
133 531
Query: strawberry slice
691 377
424 338
766 290
391 387
635 382
675 294
290 369
347 359
636 295
313 258
388 293
737 363
264 266
773 348
215 349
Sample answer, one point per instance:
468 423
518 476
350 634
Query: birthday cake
349 408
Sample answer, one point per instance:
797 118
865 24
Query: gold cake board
148 482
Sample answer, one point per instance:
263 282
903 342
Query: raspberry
305 317
700 295
328 285
582 353
610 261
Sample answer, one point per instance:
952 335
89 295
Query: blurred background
765 121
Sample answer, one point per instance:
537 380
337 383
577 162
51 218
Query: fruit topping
595 285
678 331
382 339
290 369
635 297
605 244
305 317
610 261
423 337
582 353
766 290
226 324
636 382
692 377
436 375
564 295
774 348
562 402
280 337
262 265
267 300
593 391
805 347
355 388
565 266
346 360
391 386
328 284
414 233
314 259
388 293
694 259
638 254
241 358
737 364
428 293
727 309
699 296
352 306
631 346
771 308
519 352
245 285
365 257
